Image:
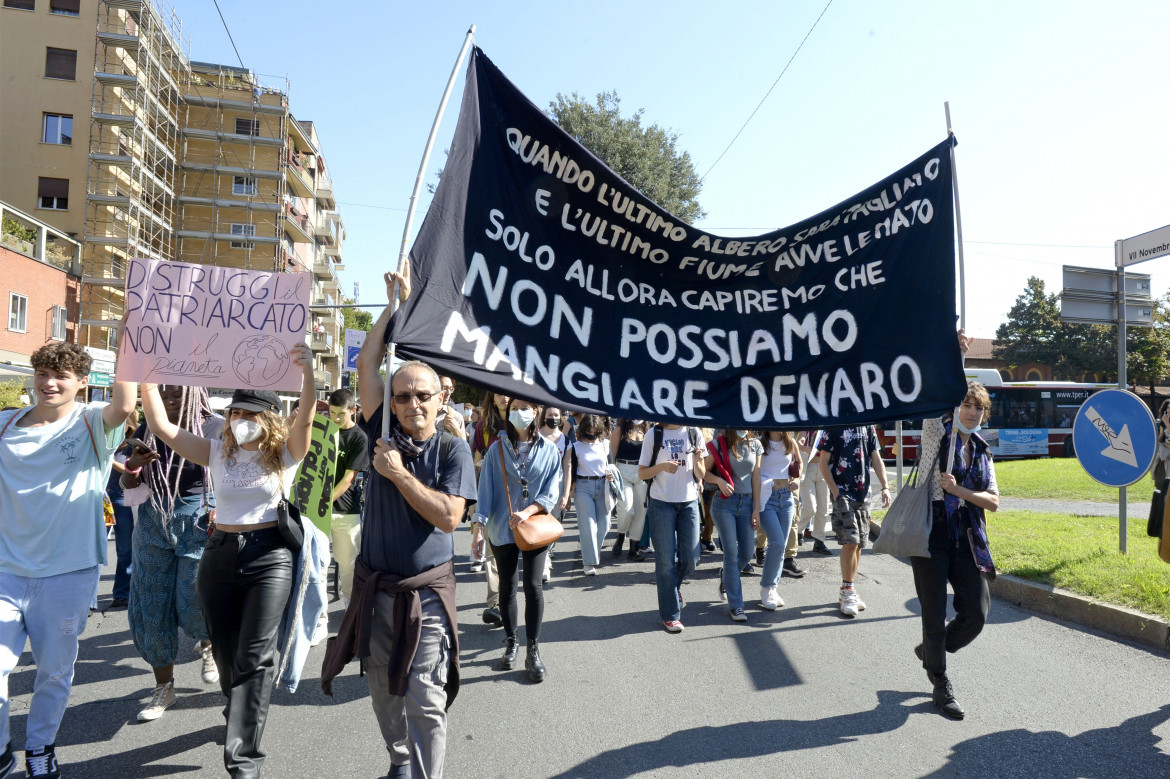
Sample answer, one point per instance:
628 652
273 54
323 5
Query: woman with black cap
245 576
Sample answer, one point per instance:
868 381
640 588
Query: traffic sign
99 379
1114 437
1147 246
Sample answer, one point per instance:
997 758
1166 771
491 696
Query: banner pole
958 224
402 251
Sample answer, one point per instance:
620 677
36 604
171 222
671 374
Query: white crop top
592 457
774 464
245 494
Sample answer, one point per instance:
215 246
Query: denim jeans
123 547
733 517
776 520
674 531
51 613
592 518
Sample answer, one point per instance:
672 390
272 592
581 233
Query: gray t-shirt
743 462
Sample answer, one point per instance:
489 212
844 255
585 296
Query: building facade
150 154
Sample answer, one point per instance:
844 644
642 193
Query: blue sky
1059 107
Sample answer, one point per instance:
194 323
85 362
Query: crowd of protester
202 505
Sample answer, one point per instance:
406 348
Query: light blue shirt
51 486
542 472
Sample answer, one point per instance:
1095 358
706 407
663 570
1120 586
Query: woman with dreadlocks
173 496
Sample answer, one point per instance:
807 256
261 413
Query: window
57 327
58 128
244 185
242 229
247 127
24 5
17 312
61 63
65 7
53 193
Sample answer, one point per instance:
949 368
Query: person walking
486 433
352 458
589 456
845 458
733 466
815 505
625 448
123 522
672 457
245 576
174 499
521 477
777 507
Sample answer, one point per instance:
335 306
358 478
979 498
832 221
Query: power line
229 34
370 205
774 83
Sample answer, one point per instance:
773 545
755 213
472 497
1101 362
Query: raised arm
125 395
189 446
300 436
369 359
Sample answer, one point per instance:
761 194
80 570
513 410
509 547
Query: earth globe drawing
261 361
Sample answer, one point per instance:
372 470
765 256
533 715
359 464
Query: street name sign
1147 246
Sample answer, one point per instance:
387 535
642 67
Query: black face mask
555 425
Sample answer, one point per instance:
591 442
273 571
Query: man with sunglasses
421 480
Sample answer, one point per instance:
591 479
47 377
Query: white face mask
246 430
521 418
742 434
967 430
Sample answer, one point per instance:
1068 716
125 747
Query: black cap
255 400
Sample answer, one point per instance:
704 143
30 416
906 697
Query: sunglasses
524 488
403 398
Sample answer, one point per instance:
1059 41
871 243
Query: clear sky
1061 108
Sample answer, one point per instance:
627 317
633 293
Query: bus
1028 419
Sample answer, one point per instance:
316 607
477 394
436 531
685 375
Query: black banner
541 273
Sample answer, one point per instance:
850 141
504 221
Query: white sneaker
590 570
849 602
321 632
164 696
770 599
210 672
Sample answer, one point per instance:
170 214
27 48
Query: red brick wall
45 286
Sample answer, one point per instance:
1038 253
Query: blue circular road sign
1114 437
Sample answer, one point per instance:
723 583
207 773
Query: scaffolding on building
140 60
234 155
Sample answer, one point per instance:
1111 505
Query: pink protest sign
213 327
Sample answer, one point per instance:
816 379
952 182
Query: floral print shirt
850 450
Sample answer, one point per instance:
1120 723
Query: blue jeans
674 531
51 613
123 532
592 518
733 517
776 519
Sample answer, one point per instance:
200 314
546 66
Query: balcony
297 225
323 270
300 181
321 342
325 192
323 380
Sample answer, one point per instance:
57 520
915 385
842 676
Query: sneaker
7 761
770 599
748 570
673 626
722 592
820 548
760 556
790 568
321 632
164 696
590 570
211 673
544 577
42 762
737 615
492 617
477 567
708 546
681 601
849 602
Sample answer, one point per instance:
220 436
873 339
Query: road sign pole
1122 383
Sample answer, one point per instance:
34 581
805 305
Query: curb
1054 602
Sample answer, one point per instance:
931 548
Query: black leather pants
243 587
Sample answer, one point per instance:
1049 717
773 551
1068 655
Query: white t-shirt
591 457
51 487
560 442
775 462
245 494
677 487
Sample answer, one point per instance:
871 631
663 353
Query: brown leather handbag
537 531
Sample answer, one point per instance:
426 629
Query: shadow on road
697 746
144 761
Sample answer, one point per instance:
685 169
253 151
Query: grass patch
1056 478
1080 554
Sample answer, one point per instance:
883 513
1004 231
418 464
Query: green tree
1147 349
646 157
10 392
1032 330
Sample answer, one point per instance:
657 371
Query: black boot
618 544
536 669
944 697
509 659
760 556
635 553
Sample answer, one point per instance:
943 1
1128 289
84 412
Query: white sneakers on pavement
770 599
164 696
210 672
850 602
321 632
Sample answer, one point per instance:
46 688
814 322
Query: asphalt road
799 692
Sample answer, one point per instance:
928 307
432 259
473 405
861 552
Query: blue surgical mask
967 430
521 418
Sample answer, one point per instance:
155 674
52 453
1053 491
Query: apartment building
166 158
